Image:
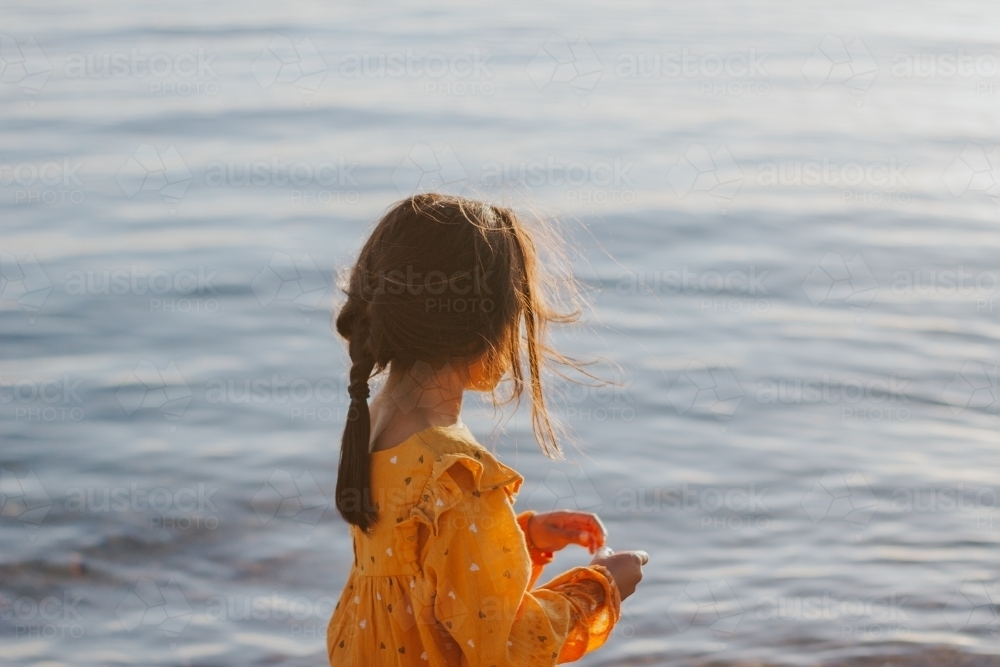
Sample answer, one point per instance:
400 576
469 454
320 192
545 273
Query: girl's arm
475 561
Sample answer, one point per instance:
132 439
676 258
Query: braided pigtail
354 500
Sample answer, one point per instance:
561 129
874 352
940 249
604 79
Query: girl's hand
551 531
625 568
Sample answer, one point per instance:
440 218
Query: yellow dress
446 576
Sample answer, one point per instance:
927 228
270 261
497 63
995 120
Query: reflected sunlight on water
785 218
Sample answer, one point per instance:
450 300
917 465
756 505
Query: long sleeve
539 559
478 572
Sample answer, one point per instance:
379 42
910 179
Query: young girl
446 295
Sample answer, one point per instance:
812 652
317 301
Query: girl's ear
482 375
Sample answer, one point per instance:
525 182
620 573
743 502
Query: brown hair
441 278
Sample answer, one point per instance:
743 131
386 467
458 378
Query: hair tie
358 390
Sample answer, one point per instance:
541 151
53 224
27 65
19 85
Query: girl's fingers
598 534
603 552
602 532
580 528
598 528
574 536
586 522
585 539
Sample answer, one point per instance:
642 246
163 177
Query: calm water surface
784 218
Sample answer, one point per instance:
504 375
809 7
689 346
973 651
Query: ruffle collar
452 446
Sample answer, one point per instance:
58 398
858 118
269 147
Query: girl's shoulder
455 469
455 453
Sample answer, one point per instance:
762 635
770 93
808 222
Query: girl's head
442 279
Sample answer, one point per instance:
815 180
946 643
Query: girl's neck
414 399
